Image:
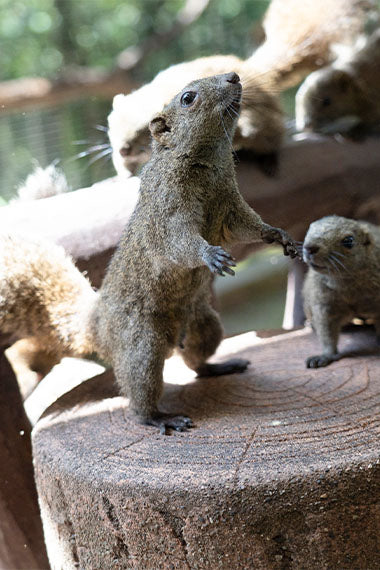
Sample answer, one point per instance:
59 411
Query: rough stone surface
281 471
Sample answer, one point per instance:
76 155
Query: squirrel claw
167 422
271 234
219 261
319 360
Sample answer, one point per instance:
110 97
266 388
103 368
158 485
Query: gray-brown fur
345 94
155 295
343 280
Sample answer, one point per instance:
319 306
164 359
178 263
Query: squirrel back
300 35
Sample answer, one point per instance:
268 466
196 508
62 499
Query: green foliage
41 37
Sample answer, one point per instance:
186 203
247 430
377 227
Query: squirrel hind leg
203 335
138 367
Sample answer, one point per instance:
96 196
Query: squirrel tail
45 297
42 183
300 35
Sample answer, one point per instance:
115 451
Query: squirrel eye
326 101
188 98
348 242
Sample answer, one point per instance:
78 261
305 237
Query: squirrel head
200 117
336 246
328 101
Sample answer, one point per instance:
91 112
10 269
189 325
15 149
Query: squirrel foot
167 422
270 234
233 366
218 260
320 360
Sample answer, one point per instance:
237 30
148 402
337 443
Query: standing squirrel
345 94
155 295
299 36
343 280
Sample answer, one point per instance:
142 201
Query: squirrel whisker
338 253
338 261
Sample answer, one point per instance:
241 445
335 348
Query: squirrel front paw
218 260
270 234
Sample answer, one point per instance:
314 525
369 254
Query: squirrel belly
343 280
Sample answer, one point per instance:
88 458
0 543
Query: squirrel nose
311 249
232 77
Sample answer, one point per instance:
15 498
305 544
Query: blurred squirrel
155 295
299 36
344 95
343 280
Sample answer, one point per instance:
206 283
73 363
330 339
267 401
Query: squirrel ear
160 129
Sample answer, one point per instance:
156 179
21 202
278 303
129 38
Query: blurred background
65 40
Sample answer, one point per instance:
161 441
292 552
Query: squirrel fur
155 297
343 95
343 280
299 36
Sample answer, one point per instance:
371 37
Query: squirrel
155 295
299 35
343 97
338 250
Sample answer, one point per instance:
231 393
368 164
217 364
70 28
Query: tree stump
281 471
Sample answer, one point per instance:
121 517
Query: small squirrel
343 280
343 96
299 36
155 295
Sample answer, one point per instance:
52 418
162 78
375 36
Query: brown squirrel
299 36
343 280
344 95
155 296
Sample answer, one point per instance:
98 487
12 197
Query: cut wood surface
281 471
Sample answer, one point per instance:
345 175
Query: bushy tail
42 183
300 35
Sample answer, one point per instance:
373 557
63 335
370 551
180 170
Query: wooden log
21 538
282 469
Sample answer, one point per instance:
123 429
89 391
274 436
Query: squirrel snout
232 77
311 249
